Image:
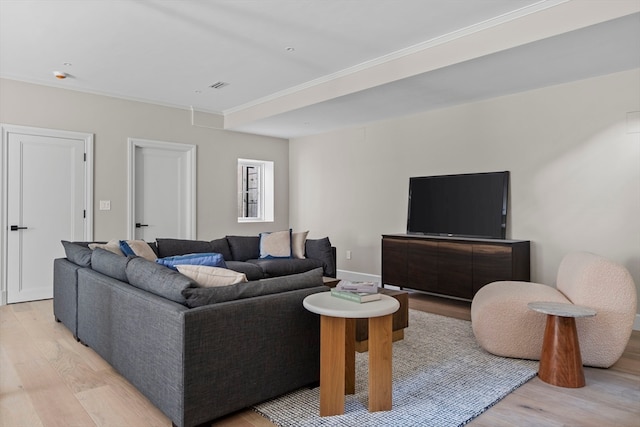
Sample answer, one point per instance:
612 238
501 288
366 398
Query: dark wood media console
452 266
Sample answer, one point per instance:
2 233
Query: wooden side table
560 361
400 317
337 349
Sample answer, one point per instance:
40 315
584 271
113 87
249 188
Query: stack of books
356 291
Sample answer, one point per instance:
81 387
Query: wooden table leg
350 357
332 365
380 354
560 361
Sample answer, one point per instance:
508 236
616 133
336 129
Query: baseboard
354 276
362 277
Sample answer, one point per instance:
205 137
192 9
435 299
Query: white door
45 200
162 189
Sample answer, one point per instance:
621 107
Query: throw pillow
112 245
276 244
137 248
209 277
211 259
298 241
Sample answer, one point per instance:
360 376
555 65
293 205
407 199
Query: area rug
441 377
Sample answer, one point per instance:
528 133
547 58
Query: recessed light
290 49
198 91
67 64
60 75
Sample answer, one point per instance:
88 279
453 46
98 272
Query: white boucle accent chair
503 325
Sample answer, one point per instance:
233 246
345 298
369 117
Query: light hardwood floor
49 379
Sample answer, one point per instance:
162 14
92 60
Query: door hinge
85 157
84 213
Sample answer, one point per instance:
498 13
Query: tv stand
452 266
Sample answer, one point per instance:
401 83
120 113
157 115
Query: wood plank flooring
49 379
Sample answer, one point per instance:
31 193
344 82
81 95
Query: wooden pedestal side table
337 349
560 361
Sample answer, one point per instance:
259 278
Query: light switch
105 205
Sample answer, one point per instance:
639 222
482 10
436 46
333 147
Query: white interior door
45 200
163 190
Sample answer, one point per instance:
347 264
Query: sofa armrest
242 352
65 293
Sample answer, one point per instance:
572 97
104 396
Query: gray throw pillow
197 297
77 254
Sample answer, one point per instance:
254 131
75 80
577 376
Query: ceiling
301 67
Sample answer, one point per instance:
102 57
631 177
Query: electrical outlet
105 205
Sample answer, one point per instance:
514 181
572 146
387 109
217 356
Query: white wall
575 172
113 120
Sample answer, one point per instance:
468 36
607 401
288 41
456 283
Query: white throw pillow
298 241
142 249
209 277
112 245
275 244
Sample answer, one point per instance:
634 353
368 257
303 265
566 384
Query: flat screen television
465 205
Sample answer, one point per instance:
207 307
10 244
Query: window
255 190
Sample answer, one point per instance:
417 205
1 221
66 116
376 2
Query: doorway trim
190 150
8 129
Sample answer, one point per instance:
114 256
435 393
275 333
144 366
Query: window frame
265 189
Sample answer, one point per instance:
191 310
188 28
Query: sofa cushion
252 271
112 245
221 246
284 267
197 297
298 241
172 247
244 247
321 249
110 264
208 277
77 254
138 248
276 244
158 279
211 259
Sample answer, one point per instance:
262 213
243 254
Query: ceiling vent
218 85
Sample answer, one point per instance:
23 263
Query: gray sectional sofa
196 353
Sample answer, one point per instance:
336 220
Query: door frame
190 151
8 129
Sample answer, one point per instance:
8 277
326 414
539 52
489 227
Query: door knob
138 225
16 228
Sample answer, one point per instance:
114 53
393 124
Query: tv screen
466 205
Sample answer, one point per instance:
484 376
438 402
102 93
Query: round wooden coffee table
337 349
560 360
